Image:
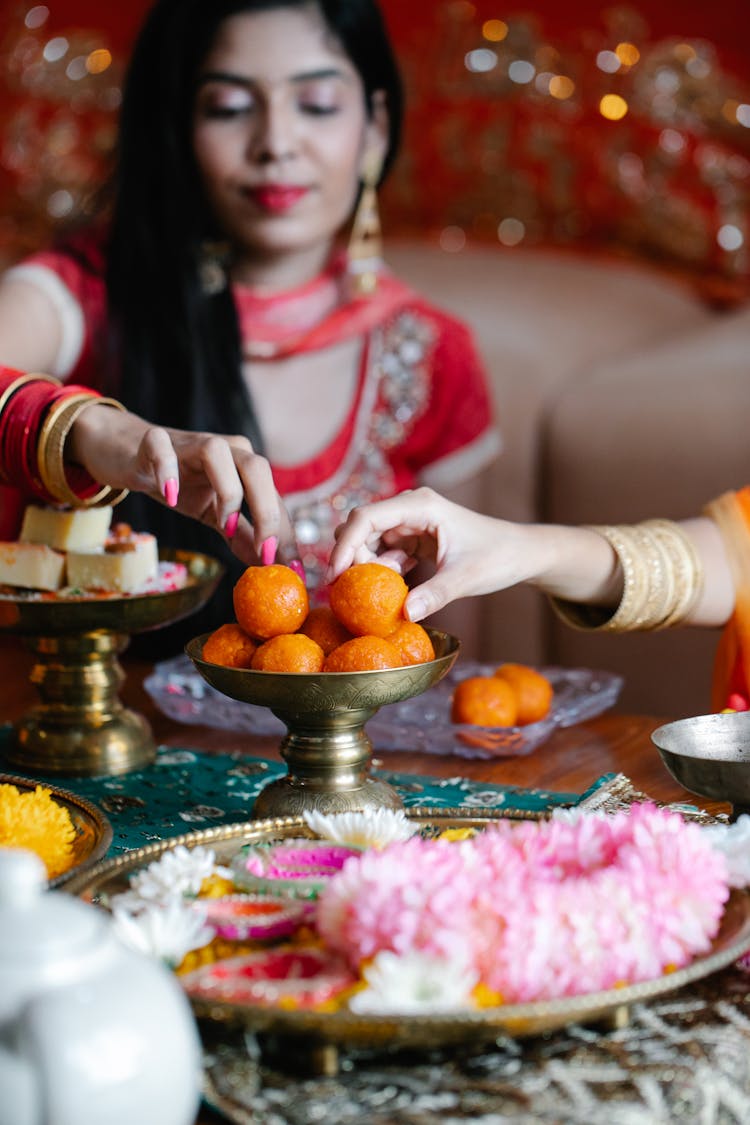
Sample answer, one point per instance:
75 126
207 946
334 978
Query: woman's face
280 135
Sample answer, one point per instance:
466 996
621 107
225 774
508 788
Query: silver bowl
710 755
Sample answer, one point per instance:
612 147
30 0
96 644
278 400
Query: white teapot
91 1033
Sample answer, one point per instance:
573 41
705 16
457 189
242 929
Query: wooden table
568 762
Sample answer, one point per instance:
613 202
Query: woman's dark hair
176 356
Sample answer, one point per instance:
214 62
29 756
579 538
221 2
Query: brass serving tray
345 1028
93 830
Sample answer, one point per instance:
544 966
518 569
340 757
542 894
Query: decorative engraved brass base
328 756
326 749
81 728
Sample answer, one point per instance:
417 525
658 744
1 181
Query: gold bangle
659 576
662 580
634 604
686 567
51 461
50 446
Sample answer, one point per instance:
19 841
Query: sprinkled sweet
299 868
369 828
292 977
252 917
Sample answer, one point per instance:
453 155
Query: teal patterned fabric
185 790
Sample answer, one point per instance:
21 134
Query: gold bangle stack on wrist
51 449
662 580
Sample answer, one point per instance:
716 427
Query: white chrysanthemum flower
414 984
128 902
166 930
370 828
180 871
733 840
574 814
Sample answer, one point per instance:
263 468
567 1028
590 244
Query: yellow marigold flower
485 997
35 821
216 886
457 834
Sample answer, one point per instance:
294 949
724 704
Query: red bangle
25 403
22 418
12 420
8 376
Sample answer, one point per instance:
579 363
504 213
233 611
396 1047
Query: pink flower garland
540 910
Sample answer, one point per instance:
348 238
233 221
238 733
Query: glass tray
348 1029
421 723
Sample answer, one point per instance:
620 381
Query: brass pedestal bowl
710 755
326 748
80 728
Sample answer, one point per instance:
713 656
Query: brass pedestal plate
80 727
326 747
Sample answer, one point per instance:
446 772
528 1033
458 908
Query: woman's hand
472 553
206 476
475 554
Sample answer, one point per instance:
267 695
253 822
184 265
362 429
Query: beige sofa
620 396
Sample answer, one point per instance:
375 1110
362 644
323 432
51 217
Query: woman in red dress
218 297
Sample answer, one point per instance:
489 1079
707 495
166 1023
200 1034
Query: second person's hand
472 553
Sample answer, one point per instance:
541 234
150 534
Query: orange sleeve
732 664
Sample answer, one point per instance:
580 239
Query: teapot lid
35 924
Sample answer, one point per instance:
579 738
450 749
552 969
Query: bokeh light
98 61
452 239
562 87
729 237
608 61
494 30
520 71
36 16
481 60
511 231
627 53
613 107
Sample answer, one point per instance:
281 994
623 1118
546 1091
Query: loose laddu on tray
78 548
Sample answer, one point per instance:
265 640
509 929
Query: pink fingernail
230 527
268 550
298 568
171 492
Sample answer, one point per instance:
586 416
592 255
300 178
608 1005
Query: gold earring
212 267
365 244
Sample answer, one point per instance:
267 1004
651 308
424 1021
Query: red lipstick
276 198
